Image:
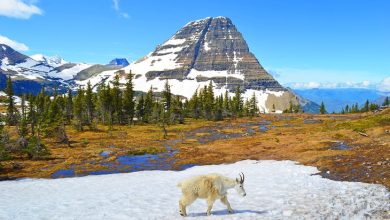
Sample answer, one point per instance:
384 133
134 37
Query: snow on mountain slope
204 51
54 61
68 71
28 69
275 190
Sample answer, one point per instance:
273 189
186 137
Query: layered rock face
205 50
209 49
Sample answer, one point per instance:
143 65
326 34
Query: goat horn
242 178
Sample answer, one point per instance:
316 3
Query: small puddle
340 146
312 121
63 173
105 153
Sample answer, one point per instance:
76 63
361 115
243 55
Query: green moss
361 125
146 150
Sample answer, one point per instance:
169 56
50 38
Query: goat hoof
231 211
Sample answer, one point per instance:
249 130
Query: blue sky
323 43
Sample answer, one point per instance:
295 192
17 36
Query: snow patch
69 73
213 73
175 41
206 46
275 190
54 61
154 63
4 48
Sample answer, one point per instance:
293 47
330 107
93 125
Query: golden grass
308 144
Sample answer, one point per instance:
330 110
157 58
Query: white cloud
332 85
125 15
18 9
118 10
14 44
384 86
116 5
288 75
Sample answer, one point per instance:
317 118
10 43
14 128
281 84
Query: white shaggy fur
210 187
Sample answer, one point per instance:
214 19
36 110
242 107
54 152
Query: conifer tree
342 111
78 108
366 106
322 108
128 99
32 115
177 111
22 126
140 109
237 102
208 101
386 102
347 109
148 106
218 108
253 109
167 99
117 100
12 117
69 106
226 104
89 104
194 105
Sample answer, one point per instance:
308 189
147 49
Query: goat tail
179 185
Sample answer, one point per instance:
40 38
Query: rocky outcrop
119 62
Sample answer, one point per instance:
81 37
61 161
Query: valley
331 143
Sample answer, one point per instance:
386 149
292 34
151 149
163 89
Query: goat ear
238 181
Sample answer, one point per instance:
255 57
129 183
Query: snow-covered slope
68 71
275 190
54 61
30 74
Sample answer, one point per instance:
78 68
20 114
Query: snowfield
275 190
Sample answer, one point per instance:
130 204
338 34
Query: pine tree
32 114
177 114
237 102
40 102
347 109
69 106
194 105
226 105
386 102
89 104
128 99
148 106
208 101
78 108
366 106
12 118
374 107
218 109
117 100
140 109
322 108
253 109
22 126
167 99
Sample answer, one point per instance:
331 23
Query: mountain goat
210 187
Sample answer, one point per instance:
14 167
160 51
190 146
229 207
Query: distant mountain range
203 51
336 98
